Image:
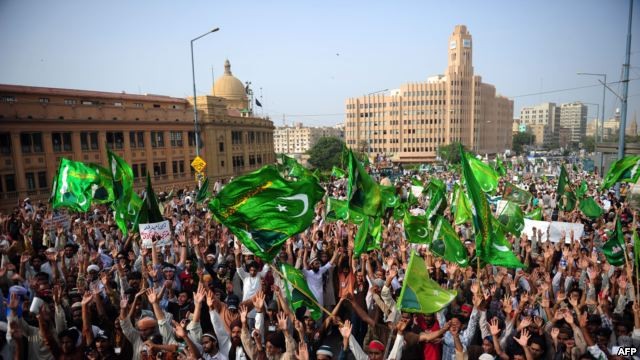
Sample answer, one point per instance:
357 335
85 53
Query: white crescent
501 247
65 185
395 200
301 197
424 234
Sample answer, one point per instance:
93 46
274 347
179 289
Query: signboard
522 128
160 230
200 178
61 218
198 164
556 230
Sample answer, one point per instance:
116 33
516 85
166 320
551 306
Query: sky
305 58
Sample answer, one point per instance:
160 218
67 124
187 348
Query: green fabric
447 244
515 194
390 200
124 203
399 212
149 210
77 185
500 168
368 237
590 208
636 247
491 245
486 177
203 192
582 190
613 249
416 229
512 218
338 210
623 170
263 209
299 295
462 207
363 193
293 168
565 196
338 173
419 293
535 214
437 204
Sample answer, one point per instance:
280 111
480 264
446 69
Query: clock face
466 43
452 45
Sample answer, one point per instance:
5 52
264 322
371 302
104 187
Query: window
70 101
143 169
117 104
252 137
221 146
178 166
156 105
44 100
89 140
252 160
138 105
10 182
157 139
31 142
176 138
136 139
134 169
5 143
191 138
238 162
31 181
159 168
8 98
115 140
61 141
259 159
236 137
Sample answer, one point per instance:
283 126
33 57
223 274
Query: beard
236 341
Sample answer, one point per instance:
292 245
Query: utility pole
625 92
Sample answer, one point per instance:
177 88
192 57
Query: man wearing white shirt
251 280
313 273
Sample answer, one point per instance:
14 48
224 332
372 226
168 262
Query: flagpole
302 291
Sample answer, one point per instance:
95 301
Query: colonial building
299 139
412 122
153 133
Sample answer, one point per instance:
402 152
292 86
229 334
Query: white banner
556 230
160 230
62 218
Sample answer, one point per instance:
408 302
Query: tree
326 153
363 146
589 143
521 139
450 153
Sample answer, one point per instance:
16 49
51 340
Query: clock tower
460 53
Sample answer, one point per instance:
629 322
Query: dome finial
227 67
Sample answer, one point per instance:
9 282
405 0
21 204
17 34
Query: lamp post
196 125
604 92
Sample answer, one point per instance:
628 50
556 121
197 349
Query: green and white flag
390 200
511 218
416 229
613 249
446 243
338 173
565 196
298 292
462 207
421 294
363 193
263 209
535 214
590 208
126 204
368 237
339 210
623 170
484 174
77 185
515 194
203 192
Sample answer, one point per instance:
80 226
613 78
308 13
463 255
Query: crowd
83 291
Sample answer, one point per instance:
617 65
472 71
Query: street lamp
604 92
196 125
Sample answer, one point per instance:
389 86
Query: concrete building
632 127
298 139
573 117
543 120
153 133
410 123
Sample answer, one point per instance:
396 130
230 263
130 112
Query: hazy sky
309 56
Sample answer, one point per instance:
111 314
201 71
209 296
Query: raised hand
14 302
124 302
200 295
299 326
568 317
525 323
211 299
474 287
258 300
243 313
555 332
87 298
179 329
494 328
152 296
282 321
524 338
303 352
345 330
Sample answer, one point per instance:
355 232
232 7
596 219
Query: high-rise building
573 118
410 123
153 133
543 120
299 139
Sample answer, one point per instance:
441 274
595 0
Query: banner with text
556 230
160 230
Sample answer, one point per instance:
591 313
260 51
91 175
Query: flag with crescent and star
623 170
535 214
126 203
613 249
446 243
149 209
368 237
511 218
421 294
363 193
486 177
462 209
298 292
416 229
590 208
390 200
78 184
263 209
565 197
515 194
339 210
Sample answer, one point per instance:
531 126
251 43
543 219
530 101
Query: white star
281 208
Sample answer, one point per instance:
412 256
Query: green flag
613 249
623 170
149 210
566 198
500 168
636 247
78 184
263 209
491 245
515 194
368 237
437 204
294 168
389 198
512 218
486 177
338 173
339 210
399 212
203 192
124 204
590 208
462 207
416 229
419 293
447 244
298 292
363 193
582 190
535 214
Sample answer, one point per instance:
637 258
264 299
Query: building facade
153 133
410 123
544 122
299 139
573 118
